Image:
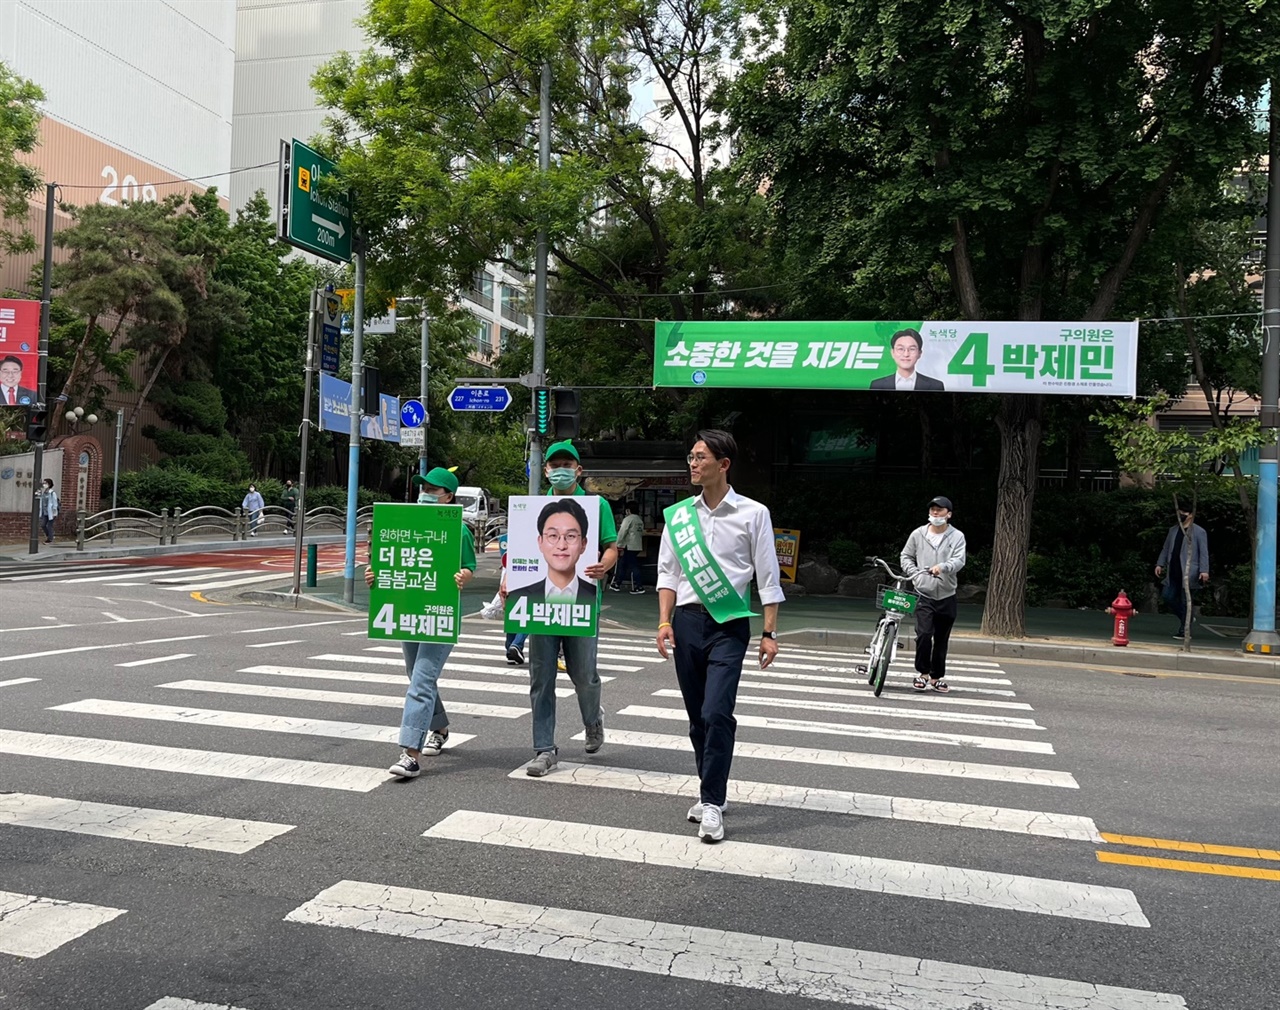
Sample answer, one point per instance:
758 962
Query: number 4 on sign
386 619
971 359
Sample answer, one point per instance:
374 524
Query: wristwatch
769 634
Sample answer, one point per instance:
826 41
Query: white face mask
937 520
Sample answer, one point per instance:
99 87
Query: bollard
311 566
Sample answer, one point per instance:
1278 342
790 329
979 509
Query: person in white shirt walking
49 508
712 545
933 555
253 504
630 542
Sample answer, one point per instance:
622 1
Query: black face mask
1183 516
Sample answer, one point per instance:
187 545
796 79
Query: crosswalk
116 574
805 718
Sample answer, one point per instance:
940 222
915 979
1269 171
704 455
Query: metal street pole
353 449
42 370
422 392
540 278
300 506
1262 637
115 474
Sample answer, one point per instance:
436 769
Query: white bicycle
895 604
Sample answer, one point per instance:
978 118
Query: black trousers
934 621
708 666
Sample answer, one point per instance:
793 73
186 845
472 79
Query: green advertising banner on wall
1080 358
415 551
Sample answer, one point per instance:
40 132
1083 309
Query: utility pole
1262 637
540 278
42 368
115 475
422 393
353 446
300 507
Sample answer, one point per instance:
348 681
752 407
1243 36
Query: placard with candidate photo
551 541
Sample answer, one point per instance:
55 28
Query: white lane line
19 680
186 760
247 720
180 638
898 670
769 964
268 645
852 679
32 926
246 580
138 824
874 708
67 652
175 1003
336 657
989 889
116 576
184 574
497 671
338 697
847 729
358 677
158 659
836 654
309 624
864 692
829 801
854 759
51 575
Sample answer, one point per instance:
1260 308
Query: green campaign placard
551 541
415 552
1078 358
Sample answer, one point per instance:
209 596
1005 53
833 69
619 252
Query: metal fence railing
206 523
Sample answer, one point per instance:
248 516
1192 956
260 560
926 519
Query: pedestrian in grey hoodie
931 559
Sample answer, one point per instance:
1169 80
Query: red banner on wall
19 344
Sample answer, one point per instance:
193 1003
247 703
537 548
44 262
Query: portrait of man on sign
563 537
906 347
12 392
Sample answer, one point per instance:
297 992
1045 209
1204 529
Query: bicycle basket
893 598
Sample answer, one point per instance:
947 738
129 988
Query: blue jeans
580 661
1176 599
708 667
423 710
628 568
516 640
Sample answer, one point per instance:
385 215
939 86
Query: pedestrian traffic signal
566 422
37 424
541 411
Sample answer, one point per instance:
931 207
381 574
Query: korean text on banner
1078 358
551 541
786 544
415 551
335 412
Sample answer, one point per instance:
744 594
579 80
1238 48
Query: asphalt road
912 852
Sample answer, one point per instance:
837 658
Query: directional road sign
495 398
412 414
319 222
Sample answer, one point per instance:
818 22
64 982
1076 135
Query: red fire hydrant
1123 610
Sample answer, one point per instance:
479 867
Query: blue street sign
494 398
412 413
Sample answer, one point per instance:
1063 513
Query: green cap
563 448
439 477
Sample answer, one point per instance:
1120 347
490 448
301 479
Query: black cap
941 503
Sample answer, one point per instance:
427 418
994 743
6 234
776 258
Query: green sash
700 566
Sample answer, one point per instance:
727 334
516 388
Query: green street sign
319 222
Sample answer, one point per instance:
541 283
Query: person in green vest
289 502
564 473
712 546
424 724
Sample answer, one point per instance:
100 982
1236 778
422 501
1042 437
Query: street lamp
76 417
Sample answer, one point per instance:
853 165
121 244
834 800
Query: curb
287 601
1076 653
69 553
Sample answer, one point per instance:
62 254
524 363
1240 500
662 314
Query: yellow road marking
1188 866
200 598
1200 847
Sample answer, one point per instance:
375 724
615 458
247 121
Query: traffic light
370 392
542 411
37 424
565 423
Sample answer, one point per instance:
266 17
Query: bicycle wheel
873 654
880 669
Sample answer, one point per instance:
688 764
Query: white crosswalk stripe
359 677
762 963
1013 892
176 1003
19 680
452 664
864 691
337 697
33 926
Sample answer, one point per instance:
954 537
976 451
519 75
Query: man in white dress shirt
712 545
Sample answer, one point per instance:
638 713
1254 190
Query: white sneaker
711 829
434 743
695 812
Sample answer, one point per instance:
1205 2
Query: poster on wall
19 344
1077 358
551 541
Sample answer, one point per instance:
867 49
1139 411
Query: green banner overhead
1079 358
415 551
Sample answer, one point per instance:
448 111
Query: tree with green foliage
19 133
998 161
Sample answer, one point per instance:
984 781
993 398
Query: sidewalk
841 624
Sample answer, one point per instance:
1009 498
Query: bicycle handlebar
874 562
